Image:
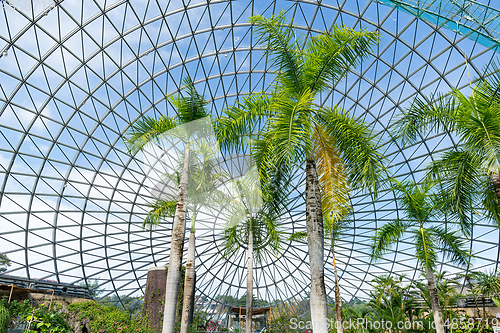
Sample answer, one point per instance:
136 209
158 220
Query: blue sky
75 79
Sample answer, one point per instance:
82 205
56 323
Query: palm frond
454 247
479 129
332 177
434 113
490 201
147 130
416 201
240 123
290 129
389 234
458 173
489 88
360 154
275 179
298 236
425 248
277 34
330 55
191 107
230 242
333 227
159 210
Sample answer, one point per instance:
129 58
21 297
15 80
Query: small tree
468 174
253 224
4 262
418 205
148 131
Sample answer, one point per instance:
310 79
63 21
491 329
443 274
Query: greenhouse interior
249 166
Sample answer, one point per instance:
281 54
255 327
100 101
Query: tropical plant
43 320
250 223
387 299
147 131
103 318
4 319
487 285
467 277
4 262
204 177
357 311
448 297
292 131
334 228
418 206
469 173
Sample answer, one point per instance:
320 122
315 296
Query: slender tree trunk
484 314
188 281
176 251
496 185
338 300
315 239
436 307
473 294
249 280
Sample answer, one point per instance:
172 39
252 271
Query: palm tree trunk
315 239
436 307
176 251
484 314
249 280
496 184
338 300
189 280
473 294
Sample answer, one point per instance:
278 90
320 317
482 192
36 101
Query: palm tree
333 231
337 150
447 292
148 131
467 277
205 176
487 284
468 174
418 205
390 300
251 223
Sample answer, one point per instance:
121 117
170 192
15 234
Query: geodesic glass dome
75 75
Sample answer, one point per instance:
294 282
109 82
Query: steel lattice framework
468 18
74 76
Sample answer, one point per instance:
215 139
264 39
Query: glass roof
74 75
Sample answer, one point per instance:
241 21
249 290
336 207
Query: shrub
106 318
4 319
41 320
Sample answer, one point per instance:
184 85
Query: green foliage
127 303
107 318
4 262
256 302
41 320
16 308
94 288
4 319
287 127
418 206
466 174
158 211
